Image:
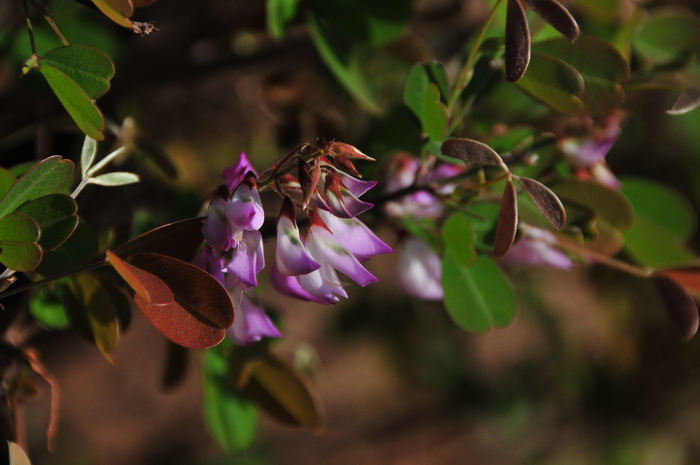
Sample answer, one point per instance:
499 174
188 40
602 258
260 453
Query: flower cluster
319 181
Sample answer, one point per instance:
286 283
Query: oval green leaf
19 249
90 68
459 237
75 251
479 297
607 203
115 178
49 176
56 215
414 90
7 180
554 83
76 101
434 114
87 155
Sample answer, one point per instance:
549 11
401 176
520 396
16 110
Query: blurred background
591 371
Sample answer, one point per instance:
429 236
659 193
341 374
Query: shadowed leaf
681 307
517 41
459 237
556 15
281 391
76 250
49 176
202 309
7 180
178 240
606 202
546 200
146 285
507 224
56 215
554 82
471 151
19 249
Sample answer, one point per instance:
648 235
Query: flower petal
248 259
291 255
251 323
289 286
245 209
420 270
234 174
216 228
329 252
355 236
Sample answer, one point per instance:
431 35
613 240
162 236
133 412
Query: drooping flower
420 270
251 323
536 248
291 255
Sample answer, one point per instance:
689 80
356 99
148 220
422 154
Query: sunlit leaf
118 11
90 68
202 309
75 251
471 151
283 393
554 82
459 237
603 76
681 307
556 15
546 200
507 225
229 415
517 41
19 249
56 215
279 14
146 285
87 155
479 297
115 178
688 100
49 176
76 101
178 240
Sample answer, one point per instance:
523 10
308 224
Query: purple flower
291 255
251 323
536 248
217 229
355 236
234 174
420 270
247 260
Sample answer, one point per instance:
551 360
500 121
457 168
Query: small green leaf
118 11
49 176
19 249
480 297
7 180
283 393
434 114
459 237
87 155
79 248
650 244
77 103
414 90
88 67
115 178
280 14
438 76
56 215
229 415
554 83
46 307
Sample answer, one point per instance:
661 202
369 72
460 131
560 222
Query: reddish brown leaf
178 240
202 309
681 307
556 15
517 41
471 151
546 200
146 285
507 224
688 277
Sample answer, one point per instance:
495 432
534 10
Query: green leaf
115 178
49 176
19 249
88 67
603 76
118 11
662 205
652 245
7 180
202 309
280 14
438 76
434 114
87 155
76 101
56 215
607 203
178 240
75 251
230 417
553 82
480 297
283 393
459 237
414 90
344 58
47 309
668 33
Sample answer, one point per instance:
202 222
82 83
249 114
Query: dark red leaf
681 307
471 151
688 277
556 15
202 309
149 287
178 240
517 41
546 200
507 224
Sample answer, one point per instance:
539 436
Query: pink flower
536 248
251 323
420 270
291 255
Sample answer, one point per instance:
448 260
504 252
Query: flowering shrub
471 196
